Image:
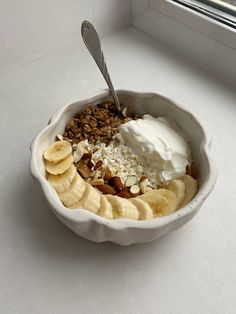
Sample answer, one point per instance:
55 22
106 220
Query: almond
87 156
90 164
134 190
84 170
98 164
107 175
97 174
145 186
97 182
117 183
143 178
124 194
106 189
131 180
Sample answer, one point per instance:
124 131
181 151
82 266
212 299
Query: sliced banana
190 189
90 200
62 182
162 202
123 208
74 193
178 188
105 210
60 166
172 199
145 211
58 151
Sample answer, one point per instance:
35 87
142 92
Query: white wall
30 29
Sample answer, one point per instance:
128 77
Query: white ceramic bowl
125 231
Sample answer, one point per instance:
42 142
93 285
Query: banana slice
190 189
60 166
145 211
172 199
58 151
178 188
122 208
74 193
162 202
62 182
90 200
105 210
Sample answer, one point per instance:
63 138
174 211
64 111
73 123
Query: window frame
196 38
196 21
212 9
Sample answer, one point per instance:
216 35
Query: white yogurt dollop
159 145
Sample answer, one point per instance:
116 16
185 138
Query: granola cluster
97 123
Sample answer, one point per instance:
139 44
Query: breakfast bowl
126 231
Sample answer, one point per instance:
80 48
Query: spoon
92 42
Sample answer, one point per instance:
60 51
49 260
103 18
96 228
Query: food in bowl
121 167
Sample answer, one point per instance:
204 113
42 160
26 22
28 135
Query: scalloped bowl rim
83 215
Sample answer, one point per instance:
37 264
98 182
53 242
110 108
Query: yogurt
159 145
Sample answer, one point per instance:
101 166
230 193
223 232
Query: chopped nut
97 182
124 194
80 150
106 189
97 174
98 164
117 183
90 164
134 190
107 175
87 156
142 178
145 186
131 180
84 170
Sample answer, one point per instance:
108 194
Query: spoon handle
92 42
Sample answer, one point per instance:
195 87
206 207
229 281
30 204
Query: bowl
126 231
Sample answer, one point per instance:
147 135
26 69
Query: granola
97 123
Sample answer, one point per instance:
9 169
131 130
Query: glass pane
221 10
228 6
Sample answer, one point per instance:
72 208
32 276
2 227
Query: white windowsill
196 258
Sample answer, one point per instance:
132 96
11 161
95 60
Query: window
221 10
206 38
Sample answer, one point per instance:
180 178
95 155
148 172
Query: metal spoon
92 42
